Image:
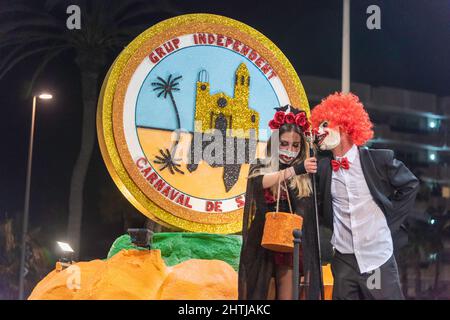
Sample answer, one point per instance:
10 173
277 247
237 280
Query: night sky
411 51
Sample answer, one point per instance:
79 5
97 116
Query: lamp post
346 47
44 96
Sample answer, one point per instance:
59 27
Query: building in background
416 126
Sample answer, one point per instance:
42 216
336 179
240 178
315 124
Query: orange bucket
278 230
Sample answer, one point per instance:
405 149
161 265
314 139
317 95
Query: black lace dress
257 264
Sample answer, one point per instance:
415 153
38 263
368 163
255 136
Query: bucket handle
287 191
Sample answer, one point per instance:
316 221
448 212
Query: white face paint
287 156
328 138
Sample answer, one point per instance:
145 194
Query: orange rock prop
200 280
133 275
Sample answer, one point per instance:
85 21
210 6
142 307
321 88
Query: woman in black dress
287 158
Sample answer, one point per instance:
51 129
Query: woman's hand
311 165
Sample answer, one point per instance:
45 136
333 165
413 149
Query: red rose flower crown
294 116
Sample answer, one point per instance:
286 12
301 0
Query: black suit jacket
392 185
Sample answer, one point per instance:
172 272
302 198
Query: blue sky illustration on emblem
221 65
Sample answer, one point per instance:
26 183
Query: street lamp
43 96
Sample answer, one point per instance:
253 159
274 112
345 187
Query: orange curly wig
346 111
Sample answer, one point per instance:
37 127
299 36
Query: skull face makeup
287 156
328 138
289 147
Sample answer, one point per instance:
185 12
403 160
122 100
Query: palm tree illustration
164 89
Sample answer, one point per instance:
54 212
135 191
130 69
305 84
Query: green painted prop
177 247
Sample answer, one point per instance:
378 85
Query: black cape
256 263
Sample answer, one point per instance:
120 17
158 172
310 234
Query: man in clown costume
364 196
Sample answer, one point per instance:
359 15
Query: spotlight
65 247
66 258
432 221
140 237
432 156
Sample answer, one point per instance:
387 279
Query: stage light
65 260
140 237
432 156
432 221
65 246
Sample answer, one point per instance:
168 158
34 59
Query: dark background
411 51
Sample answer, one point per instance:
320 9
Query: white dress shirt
360 226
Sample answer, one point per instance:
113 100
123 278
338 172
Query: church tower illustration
231 115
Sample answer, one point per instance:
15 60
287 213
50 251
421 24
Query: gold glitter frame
110 110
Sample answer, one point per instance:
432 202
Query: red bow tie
344 164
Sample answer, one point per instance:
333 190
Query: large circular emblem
183 111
